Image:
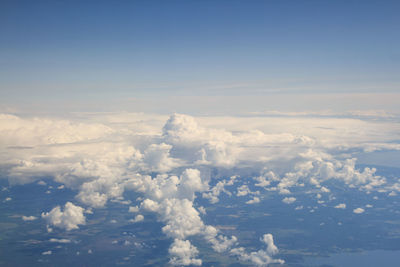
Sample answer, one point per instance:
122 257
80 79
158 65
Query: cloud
62 241
133 209
49 252
183 253
215 191
69 219
243 191
156 158
103 156
138 218
29 218
340 206
253 201
260 257
358 210
289 200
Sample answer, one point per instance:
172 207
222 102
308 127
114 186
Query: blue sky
85 50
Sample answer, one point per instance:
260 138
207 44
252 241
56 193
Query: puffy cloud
49 252
181 217
358 210
138 218
29 218
215 191
289 200
28 132
253 201
133 209
260 257
340 206
243 191
157 158
269 241
183 253
69 219
221 243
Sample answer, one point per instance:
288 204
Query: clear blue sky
101 49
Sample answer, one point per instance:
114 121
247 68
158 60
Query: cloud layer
170 162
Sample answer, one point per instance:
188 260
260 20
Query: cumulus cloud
253 201
29 218
138 218
358 210
260 257
68 219
183 253
340 206
215 191
103 157
133 209
289 200
156 158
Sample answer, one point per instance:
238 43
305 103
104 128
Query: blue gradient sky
81 50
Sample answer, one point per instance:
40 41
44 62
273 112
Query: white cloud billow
29 218
260 257
183 253
358 210
340 206
289 200
68 219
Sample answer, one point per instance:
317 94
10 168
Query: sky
92 54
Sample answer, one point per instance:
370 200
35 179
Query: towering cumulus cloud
174 165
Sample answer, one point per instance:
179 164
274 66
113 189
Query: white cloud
47 252
102 156
260 257
289 200
29 218
138 218
358 210
253 201
340 206
183 253
325 189
243 191
157 158
62 240
214 193
69 219
133 209
220 243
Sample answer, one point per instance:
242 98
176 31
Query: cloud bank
171 161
